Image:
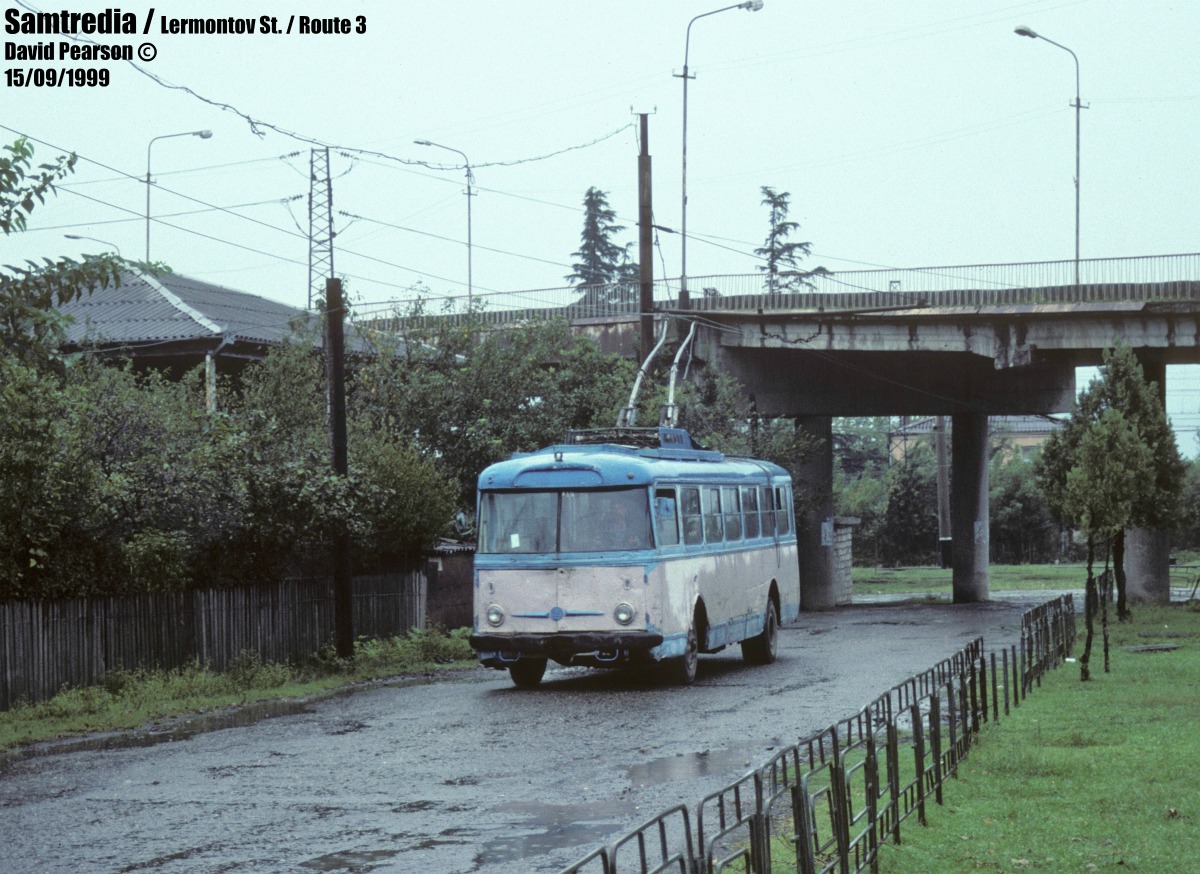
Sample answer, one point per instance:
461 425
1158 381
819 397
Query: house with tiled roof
1020 435
173 322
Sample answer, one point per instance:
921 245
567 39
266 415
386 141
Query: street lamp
470 179
115 247
750 6
203 134
1032 34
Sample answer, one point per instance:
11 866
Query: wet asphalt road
463 774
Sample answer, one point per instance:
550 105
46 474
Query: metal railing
1149 277
828 802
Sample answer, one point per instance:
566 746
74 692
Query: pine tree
782 255
598 258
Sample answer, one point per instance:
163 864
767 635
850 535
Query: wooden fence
46 645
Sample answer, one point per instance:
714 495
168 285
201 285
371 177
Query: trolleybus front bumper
496 649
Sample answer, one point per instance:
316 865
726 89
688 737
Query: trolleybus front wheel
527 673
681 670
761 649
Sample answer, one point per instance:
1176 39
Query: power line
449 239
125 177
139 217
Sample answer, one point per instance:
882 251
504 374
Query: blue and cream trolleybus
631 546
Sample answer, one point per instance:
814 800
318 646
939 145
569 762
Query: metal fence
48 645
827 803
1151 277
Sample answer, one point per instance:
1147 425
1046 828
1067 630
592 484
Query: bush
248 671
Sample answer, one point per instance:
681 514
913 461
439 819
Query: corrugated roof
170 307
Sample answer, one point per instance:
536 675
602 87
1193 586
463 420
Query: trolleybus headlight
623 613
495 616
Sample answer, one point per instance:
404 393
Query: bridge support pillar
969 507
814 521
1148 550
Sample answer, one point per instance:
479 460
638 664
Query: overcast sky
908 134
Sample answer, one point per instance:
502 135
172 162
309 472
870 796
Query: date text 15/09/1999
57 77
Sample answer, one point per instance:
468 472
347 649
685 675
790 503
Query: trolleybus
628 547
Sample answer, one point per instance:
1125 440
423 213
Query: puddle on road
561 826
517 847
350 860
702 764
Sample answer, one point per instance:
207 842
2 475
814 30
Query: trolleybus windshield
564 521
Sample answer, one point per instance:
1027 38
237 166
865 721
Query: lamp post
750 6
115 247
1032 34
203 134
470 179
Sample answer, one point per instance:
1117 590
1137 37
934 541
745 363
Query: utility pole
335 372
320 223
645 243
943 491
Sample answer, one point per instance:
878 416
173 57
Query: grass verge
129 699
1092 776
1002 578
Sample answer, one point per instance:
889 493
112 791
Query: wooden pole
335 371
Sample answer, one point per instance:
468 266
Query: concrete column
969 506
814 519
1148 551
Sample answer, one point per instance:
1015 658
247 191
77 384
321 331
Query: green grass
129 699
1094 776
1003 578
921 580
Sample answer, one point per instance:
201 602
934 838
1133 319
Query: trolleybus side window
666 519
750 510
713 530
693 527
733 515
766 505
783 500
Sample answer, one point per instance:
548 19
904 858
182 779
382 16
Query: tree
1113 465
782 255
603 268
910 526
861 459
1188 529
469 405
29 325
1020 525
1156 502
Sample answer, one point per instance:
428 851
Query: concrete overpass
966 356
965 342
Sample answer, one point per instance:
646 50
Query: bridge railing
1149 277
